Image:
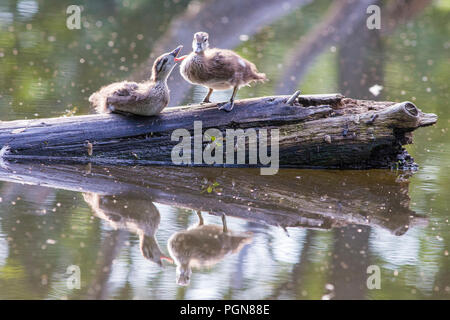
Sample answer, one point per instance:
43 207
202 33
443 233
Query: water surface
313 232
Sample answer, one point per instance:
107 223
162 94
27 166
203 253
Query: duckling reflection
134 215
203 246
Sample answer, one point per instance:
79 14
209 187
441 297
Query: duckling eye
206 39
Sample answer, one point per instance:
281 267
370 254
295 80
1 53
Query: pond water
302 234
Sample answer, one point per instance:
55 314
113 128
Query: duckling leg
229 106
224 222
206 100
200 218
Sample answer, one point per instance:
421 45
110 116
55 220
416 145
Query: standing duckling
146 98
217 69
203 246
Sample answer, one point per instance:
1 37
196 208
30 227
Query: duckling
217 69
146 98
134 215
203 246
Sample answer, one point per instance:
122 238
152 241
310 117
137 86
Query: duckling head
151 251
183 275
200 42
164 64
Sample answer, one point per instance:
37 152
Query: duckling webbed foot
228 106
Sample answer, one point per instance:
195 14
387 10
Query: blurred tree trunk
349 262
339 24
343 25
295 283
108 251
399 12
360 67
361 63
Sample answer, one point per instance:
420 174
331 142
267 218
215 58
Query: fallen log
321 131
314 199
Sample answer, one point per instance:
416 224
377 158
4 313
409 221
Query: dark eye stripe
162 64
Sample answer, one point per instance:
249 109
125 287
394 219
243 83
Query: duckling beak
199 48
180 58
170 260
175 53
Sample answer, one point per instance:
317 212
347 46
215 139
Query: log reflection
293 198
313 199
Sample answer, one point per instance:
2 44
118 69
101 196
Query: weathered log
315 199
316 131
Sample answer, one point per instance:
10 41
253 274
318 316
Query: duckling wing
222 64
127 89
226 65
125 93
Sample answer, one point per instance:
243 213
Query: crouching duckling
146 98
203 246
217 69
134 215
